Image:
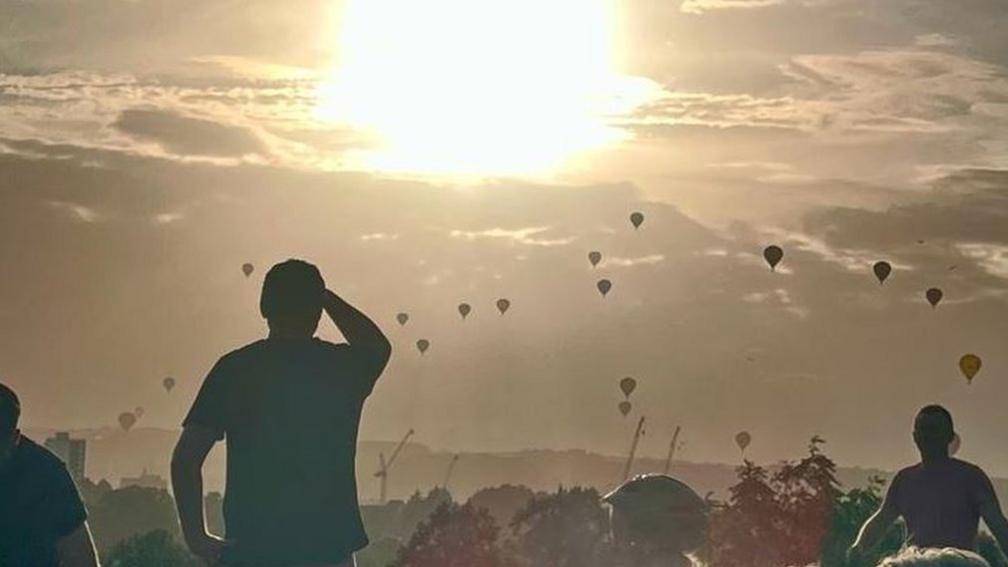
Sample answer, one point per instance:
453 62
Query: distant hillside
113 454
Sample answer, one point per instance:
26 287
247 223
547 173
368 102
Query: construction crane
633 449
384 466
672 449
451 469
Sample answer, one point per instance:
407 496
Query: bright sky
430 153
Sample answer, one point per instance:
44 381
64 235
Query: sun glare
477 87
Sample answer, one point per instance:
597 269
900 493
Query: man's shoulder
243 352
39 460
969 468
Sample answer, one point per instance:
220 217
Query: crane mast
672 449
384 466
633 449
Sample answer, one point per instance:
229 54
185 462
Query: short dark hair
941 415
10 410
292 292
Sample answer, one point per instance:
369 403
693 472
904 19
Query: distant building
145 480
72 452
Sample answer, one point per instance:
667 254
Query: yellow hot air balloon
970 365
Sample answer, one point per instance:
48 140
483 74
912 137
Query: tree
126 512
567 529
453 536
157 548
806 493
747 531
503 502
851 511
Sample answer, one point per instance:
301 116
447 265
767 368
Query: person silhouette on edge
941 499
42 519
289 406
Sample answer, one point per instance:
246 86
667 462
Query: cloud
520 236
991 257
630 262
187 135
77 211
701 6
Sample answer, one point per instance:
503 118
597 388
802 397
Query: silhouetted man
941 499
42 518
289 406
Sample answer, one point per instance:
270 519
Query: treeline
795 514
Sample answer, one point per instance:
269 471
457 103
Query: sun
477 87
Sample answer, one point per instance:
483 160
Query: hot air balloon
934 295
882 270
594 257
625 407
247 269
773 255
168 383
503 305
464 309
126 420
402 318
627 385
970 364
954 444
742 439
139 411
604 286
422 345
636 219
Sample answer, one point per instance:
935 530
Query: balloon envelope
168 383
882 270
126 420
464 309
742 439
934 295
970 364
402 318
636 219
247 269
773 255
604 286
503 305
422 345
625 407
628 385
594 257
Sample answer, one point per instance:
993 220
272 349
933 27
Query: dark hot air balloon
882 270
464 309
628 385
126 420
503 305
247 269
604 286
422 345
168 383
742 439
625 407
773 254
934 295
594 257
636 219
402 318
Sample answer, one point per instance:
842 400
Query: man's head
10 412
291 298
933 430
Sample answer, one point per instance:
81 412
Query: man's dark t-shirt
290 410
940 502
39 505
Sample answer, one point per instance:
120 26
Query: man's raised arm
357 328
